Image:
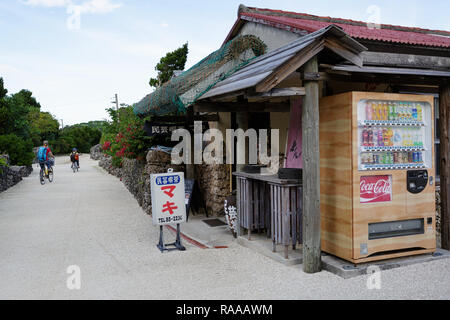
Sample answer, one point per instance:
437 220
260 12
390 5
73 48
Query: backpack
42 154
72 157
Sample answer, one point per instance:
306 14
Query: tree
43 126
3 91
172 61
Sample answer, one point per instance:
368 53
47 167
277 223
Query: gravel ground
90 220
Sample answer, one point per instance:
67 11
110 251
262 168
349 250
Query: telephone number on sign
170 219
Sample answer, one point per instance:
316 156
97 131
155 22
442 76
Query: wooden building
309 58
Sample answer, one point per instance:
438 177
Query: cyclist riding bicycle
45 156
75 157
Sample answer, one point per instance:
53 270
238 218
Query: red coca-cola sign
375 189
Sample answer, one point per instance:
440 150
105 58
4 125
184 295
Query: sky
75 55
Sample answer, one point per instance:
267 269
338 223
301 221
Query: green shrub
3 163
20 151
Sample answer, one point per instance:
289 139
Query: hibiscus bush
124 136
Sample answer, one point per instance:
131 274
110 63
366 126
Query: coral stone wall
214 182
11 175
135 174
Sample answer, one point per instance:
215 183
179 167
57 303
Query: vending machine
377 175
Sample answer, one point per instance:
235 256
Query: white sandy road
90 220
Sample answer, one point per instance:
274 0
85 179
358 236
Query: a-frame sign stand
177 244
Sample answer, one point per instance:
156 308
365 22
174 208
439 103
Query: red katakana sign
168 198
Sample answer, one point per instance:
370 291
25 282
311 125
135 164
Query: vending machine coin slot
416 181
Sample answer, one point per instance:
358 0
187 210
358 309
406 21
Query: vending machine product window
393 135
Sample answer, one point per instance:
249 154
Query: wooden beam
242 106
383 78
279 92
405 60
206 117
444 134
289 67
311 167
415 89
344 51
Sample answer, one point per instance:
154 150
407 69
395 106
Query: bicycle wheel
73 167
50 175
41 177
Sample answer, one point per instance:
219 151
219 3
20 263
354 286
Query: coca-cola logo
375 189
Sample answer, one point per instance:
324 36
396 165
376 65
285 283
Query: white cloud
48 3
88 6
99 6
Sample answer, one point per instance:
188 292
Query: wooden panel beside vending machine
368 209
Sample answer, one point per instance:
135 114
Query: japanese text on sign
168 198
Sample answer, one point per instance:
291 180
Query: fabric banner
293 153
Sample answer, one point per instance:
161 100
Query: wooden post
444 134
311 177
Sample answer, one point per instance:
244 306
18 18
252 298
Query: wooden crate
286 208
254 205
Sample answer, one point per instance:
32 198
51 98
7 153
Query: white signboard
168 198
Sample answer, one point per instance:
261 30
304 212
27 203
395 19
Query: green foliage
96 124
14 112
124 136
43 126
3 90
80 137
3 164
23 125
175 60
19 150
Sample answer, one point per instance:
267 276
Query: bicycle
46 173
74 166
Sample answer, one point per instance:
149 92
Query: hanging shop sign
158 128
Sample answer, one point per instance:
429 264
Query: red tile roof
357 29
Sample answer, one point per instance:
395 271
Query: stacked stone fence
12 175
135 174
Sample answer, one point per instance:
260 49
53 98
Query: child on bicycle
75 157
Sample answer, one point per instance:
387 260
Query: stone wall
135 175
96 152
214 182
11 175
